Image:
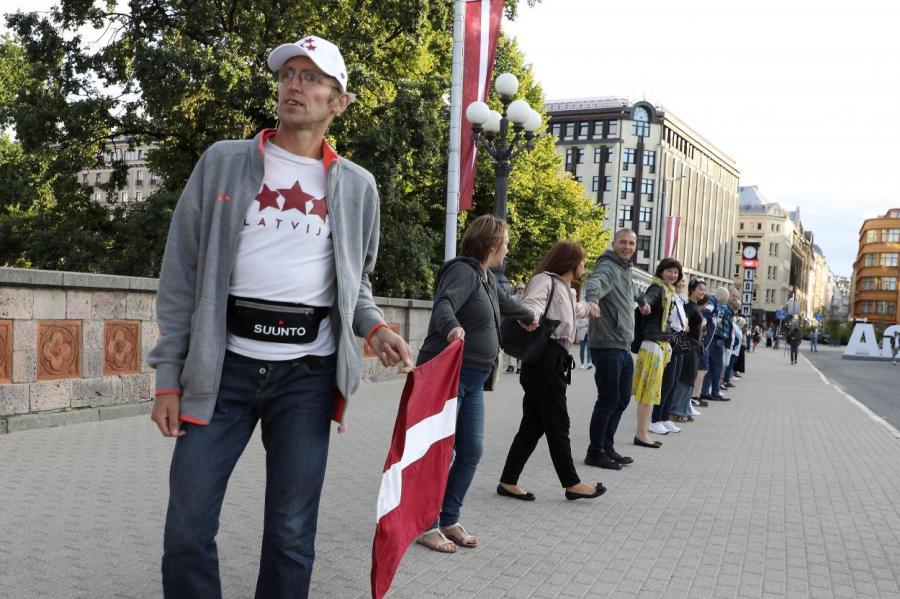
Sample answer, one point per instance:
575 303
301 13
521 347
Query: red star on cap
309 44
294 197
319 208
267 198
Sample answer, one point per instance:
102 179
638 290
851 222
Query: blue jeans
711 380
681 400
613 370
729 370
293 400
468 444
585 354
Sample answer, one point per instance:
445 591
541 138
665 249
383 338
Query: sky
801 94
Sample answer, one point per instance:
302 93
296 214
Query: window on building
886 307
123 196
737 271
759 226
84 177
140 154
889 283
741 226
889 259
598 155
649 158
624 215
609 155
583 129
598 129
643 243
613 129
872 235
870 259
770 296
774 272
647 186
98 179
579 179
627 184
890 235
138 196
894 214
154 180
555 129
570 131
97 196
595 183
775 253
139 178
641 129
646 216
607 184
628 155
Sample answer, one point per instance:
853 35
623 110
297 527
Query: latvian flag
415 472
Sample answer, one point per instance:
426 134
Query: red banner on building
671 235
415 472
482 27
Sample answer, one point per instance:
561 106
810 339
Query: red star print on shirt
295 197
267 198
319 208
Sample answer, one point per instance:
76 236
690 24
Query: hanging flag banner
482 27
671 235
415 472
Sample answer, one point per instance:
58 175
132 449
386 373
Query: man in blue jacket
264 286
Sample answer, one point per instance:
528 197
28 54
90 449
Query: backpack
638 331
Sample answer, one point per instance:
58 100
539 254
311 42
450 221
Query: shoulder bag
525 345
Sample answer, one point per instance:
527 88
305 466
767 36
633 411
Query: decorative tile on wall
368 352
6 349
121 347
58 349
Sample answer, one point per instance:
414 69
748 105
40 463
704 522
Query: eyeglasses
307 78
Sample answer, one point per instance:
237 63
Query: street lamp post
490 130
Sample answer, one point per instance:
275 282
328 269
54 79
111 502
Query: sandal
458 534
435 540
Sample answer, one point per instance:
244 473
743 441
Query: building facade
643 164
141 182
839 307
875 271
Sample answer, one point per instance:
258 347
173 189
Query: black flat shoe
654 445
526 496
622 459
598 491
601 460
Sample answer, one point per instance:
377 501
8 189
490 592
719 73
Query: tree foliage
182 74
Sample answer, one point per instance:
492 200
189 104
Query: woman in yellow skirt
654 352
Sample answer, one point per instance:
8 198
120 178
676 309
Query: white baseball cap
323 53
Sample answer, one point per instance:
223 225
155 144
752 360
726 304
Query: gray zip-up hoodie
200 253
611 287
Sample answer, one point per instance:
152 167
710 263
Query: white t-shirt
285 252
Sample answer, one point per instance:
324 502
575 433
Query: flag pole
455 132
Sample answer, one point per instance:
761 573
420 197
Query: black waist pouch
275 322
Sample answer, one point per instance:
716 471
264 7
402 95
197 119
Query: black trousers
670 376
544 412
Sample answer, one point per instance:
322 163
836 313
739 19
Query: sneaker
658 428
736 376
695 402
601 460
694 412
728 385
589 366
622 459
670 426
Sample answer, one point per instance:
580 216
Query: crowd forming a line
689 347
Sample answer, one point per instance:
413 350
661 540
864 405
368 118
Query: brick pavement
787 491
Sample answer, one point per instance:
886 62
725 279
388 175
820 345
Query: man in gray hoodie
610 335
264 283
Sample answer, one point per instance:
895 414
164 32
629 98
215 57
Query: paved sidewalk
789 490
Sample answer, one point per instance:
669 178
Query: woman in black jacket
654 352
468 305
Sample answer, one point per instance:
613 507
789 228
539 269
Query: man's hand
392 349
593 309
645 309
456 333
165 415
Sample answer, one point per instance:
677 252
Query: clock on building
640 114
749 252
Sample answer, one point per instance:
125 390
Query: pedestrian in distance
544 411
581 338
655 351
257 324
895 346
814 340
468 304
508 362
794 339
611 292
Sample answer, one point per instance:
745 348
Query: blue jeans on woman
293 401
585 351
681 400
468 444
711 380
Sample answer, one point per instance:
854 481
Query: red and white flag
671 235
415 472
482 27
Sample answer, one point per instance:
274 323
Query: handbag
528 345
681 342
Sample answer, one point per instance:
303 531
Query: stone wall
73 346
